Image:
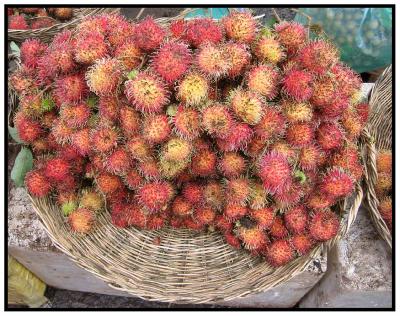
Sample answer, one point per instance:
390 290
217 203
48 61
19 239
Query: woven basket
186 266
47 33
380 137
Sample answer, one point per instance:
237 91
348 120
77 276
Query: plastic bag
363 35
215 13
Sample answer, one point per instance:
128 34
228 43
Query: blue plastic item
215 13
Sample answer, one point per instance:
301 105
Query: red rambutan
231 164
75 116
386 210
238 57
149 34
56 169
271 125
139 149
146 93
329 136
274 171
278 228
296 219
300 134
204 215
222 223
302 243
324 225
17 22
28 129
264 217
156 128
269 50
240 26
31 50
104 76
154 196
264 79
37 183
310 157
172 60
118 162
71 88
297 84
130 121
149 169
217 120
192 192
318 56
237 140
237 190
181 207
232 240
384 161
82 142
187 122
336 183
203 30
279 253
291 35
213 194
193 89
90 45
213 60
204 163
253 238
234 211
247 106
81 220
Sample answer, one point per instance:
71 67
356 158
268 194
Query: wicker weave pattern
187 266
47 33
380 137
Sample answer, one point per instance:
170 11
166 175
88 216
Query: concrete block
30 245
359 272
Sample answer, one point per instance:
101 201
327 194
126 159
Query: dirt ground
72 299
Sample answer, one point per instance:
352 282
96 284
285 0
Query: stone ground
73 299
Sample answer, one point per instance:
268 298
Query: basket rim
373 140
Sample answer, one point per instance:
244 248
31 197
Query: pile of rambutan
36 18
383 186
203 125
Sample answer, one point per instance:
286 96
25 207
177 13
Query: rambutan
156 128
187 122
118 215
279 253
90 45
297 84
217 120
268 50
348 81
222 224
238 58
264 79
172 168
291 35
118 162
253 238
264 217
75 116
302 243
92 200
319 201
234 211
297 111
231 164
82 142
337 183
352 124
129 54
383 184
237 190
240 26
149 34
258 196
274 171
172 60
37 183
362 110
139 149
386 210
119 30
154 196
384 161
204 215
108 183
213 194
271 125
177 28
181 207
23 81
104 76
192 192
104 139
177 149
71 88
255 147
232 240
31 105
329 136
146 93
133 179
300 134
68 184
31 50
247 106
149 169
318 56
348 159
204 163
17 22
237 140
278 228
213 60
193 89
63 14
202 30
310 157
56 169
287 150
325 90
130 121
28 129
42 22
296 219
324 225
335 109
61 132
81 220
68 153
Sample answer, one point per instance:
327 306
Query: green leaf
23 163
14 48
132 74
14 134
270 22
